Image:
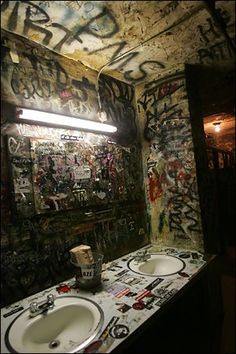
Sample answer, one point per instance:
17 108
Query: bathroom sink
157 265
69 326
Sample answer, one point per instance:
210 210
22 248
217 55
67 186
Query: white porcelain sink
157 265
66 328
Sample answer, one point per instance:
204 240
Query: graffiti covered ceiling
129 40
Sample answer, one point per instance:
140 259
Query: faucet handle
50 299
33 307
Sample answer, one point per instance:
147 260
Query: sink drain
54 344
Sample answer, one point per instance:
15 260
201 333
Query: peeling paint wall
169 165
61 188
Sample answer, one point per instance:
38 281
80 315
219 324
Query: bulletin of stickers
55 175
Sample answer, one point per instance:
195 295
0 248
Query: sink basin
66 328
157 265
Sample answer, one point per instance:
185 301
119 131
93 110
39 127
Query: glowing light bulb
217 127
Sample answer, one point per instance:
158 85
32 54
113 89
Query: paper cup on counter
88 276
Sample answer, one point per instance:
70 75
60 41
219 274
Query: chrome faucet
39 307
142 256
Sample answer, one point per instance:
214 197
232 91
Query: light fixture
217 126
63 121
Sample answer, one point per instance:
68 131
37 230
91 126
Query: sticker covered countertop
128 297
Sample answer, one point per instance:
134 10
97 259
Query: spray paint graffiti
94 21
216 49
39 76
35 17
171 179
117 101
40 79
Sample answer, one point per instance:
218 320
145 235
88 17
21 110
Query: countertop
127 299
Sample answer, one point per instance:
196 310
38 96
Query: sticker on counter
161 302
127 279
161 292
149 302
13 311
63 288
184 255
113 267
183 274
195 255
154 284
124 308
138 305
118 290
169 250
119 331
194 261
131 294
93 347
142 294
122 273
165 295
123 292
111 323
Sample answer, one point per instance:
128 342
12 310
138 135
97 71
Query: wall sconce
58 120
217 127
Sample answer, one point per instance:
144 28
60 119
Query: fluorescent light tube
58 119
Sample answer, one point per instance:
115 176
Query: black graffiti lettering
12 22
42 87
31 24
175 115
175 221
150 129
145 101
20 84
124 60
62 76
105 19
68 34
117 103
169 8
218 51
224 15
151 118
85 84
107 16
144 73
4 5
120 45
190 216
204 55
210 33
78 85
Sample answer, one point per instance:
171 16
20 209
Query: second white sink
157 265
66 328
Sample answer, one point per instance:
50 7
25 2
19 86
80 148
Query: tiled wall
169 164
57 193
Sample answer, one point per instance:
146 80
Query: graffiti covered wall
61 188
169 165
98 32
